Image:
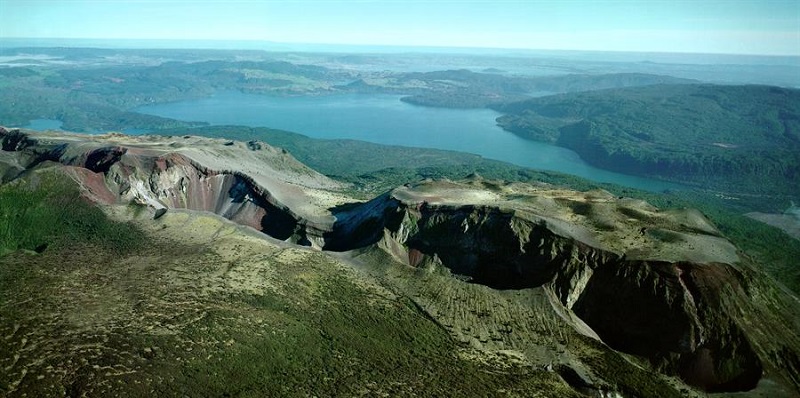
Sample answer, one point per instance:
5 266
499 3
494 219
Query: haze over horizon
765 27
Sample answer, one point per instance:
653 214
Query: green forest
735 138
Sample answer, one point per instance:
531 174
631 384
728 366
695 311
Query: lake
384 119
44 124
55 125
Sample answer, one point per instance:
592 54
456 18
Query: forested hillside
88 97
741 138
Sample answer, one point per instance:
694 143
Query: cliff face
253 184
634 282
173 181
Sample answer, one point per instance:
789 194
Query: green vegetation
635 381
182 318
515 320
348 345
741 139
103 98
22 103
17 72
46 211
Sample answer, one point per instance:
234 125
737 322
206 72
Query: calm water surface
384 119
44 124
54 124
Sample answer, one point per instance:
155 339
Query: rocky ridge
665 286
250 183
661 285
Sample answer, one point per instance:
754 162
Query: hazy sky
730 26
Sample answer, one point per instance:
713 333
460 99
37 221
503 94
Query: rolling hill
734 138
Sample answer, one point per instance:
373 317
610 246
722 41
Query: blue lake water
44 124
384 119
54 124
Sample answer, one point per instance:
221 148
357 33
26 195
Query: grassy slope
45 211
518 320
204 309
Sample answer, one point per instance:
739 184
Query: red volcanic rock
254 184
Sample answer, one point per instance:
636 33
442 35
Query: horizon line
384 46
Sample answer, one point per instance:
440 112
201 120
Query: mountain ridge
580 258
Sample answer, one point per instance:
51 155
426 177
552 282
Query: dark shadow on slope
650 309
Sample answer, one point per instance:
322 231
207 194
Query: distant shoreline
264 45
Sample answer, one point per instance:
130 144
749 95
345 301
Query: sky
769 27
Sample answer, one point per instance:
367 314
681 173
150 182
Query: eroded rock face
670 313
100 160
275 195
176 182
645 297
14 140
